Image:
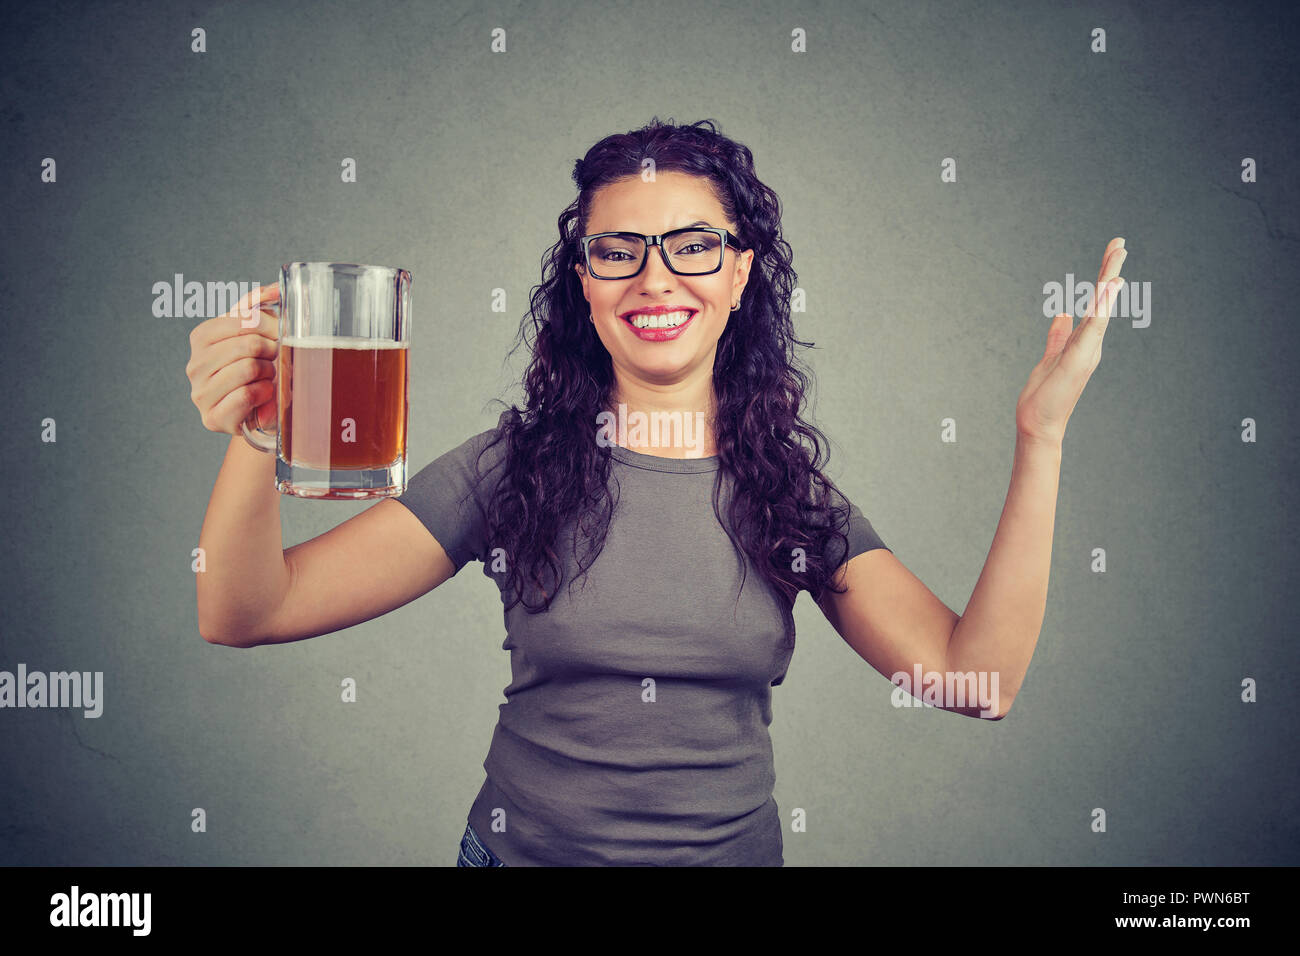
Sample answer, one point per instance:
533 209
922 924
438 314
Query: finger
1111 262
228 352
243 400
1110 259
1116 263
1102 285
1058 333
261 295
1113 247
1102 318
232 322
235 375
1084 346
262 298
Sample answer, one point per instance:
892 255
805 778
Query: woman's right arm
252 591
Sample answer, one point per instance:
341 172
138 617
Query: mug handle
254 434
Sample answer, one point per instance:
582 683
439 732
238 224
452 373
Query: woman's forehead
655 207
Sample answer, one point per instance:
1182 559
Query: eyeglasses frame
728 242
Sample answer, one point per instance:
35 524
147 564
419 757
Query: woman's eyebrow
690 225
697 222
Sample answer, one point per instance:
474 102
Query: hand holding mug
314 372
232 364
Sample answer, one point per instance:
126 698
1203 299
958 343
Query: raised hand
1058 379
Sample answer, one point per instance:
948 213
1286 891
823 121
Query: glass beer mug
341 381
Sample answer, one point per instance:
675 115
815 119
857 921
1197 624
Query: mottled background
925 301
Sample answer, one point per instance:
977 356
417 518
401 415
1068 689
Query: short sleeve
862 536
444 496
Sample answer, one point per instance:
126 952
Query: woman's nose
655 273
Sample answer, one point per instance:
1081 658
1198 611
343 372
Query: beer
342 402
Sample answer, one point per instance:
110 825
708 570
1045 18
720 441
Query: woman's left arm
897 624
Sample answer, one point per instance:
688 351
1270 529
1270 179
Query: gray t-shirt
635 727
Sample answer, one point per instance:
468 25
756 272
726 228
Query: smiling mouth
661 320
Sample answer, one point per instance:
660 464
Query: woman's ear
742 274
582 277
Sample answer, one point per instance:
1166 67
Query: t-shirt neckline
657 463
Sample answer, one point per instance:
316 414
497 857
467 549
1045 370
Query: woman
635 729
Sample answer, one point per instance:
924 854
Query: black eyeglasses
697 251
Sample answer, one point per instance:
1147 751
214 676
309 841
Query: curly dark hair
555 471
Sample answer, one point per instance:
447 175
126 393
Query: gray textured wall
924 297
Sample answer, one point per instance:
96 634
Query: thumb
1058 333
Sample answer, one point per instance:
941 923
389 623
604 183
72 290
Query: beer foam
340 342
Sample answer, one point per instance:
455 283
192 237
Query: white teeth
666 320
